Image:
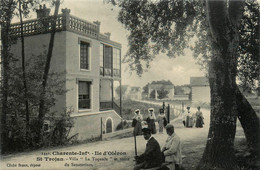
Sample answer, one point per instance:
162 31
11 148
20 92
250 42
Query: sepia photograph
130 84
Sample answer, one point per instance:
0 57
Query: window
101 59
108 57
84 55
101 55
108 60
84 94
116 62
116 58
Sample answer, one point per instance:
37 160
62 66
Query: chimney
97 23
43 12
108 34
65 11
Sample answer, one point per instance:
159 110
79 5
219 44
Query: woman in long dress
138 118
161 120
199 118
151 120
189 120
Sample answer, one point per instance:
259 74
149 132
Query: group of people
169 157
155 156
151 119
196 119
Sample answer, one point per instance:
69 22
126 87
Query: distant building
200 90
186 90
157 87
132 93
92 65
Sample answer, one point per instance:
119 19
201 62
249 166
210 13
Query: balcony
64 22
116 72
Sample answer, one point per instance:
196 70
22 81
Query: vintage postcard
70 98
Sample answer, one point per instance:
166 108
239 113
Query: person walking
199 118
162 121
151 120
172 149
137 123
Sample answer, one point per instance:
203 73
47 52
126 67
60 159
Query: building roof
199 81
65 22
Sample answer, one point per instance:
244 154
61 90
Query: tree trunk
223 23
5 32
249 121
24 75
42 108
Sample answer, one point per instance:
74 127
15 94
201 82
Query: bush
123 125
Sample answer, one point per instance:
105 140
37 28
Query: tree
162 93
25 9
7 9
10 97
167 26
42 107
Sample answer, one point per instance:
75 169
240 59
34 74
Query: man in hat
172 149
152 157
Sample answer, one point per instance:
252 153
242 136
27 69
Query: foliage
16 112
155 26
169 26
248 51
248 60
178 90
162 93
123 125
152 94
162 82
123 90
60 129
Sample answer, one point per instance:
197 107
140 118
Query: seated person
152 156
172 149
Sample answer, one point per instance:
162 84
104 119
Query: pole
101 136
168 113
163 106
135 144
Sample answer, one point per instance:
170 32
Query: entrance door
109 126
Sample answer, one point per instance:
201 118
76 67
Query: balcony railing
107 72
64 22
116 72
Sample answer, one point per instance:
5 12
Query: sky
177 70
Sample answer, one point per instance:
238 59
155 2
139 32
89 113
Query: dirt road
103 155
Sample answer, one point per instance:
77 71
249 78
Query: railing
116 72
116 108
107 72
82 26
84 103
63 22
106 105
36 26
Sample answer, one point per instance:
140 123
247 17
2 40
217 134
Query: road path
101 155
